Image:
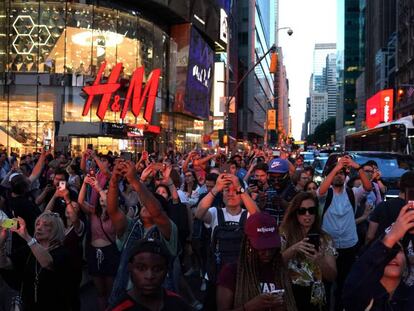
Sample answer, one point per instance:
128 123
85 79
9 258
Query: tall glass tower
349 64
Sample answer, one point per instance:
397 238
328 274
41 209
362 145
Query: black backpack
329 197
226 240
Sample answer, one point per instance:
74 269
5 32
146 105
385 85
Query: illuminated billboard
379 108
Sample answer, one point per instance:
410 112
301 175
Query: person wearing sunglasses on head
308 252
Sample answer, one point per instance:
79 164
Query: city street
206 155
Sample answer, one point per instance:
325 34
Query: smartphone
409 194
225 168
277 292
144 155
253 183
127 156
62 185
46 144
90 146
314 238
9 223
91 173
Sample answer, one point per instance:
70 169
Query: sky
312 21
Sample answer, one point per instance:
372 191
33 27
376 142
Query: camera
290 32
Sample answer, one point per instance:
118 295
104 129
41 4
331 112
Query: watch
32 242
240 191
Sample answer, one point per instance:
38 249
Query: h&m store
115 77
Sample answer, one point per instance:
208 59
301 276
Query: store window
56 48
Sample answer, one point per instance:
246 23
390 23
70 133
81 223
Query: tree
323 132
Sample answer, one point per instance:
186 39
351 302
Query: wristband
32 242
212 193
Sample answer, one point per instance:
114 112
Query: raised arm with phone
376 279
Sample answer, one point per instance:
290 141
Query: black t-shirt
54 286
22 207
228 278
386 213
171 302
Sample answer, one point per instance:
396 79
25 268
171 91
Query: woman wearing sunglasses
308 252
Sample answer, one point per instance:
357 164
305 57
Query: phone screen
225 168
62 185
9 223
314 239
90 146
409 194
277 292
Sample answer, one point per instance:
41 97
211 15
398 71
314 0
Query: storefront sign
271 119
218 125
223 26
135 132
113 129
134 94
199 76
199 125
379 108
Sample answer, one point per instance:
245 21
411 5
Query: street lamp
229 98
275 92
289 32
273 65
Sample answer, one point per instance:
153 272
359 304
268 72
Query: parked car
318 166
392 166
308 157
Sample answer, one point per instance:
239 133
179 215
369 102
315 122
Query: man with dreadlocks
259 280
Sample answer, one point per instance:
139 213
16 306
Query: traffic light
273 62
400 94
223 139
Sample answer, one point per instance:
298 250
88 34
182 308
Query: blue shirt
339 219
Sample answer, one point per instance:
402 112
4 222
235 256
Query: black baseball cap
149 245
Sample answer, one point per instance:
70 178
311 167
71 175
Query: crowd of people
202 231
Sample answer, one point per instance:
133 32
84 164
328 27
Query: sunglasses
303 210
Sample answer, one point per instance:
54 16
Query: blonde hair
58 228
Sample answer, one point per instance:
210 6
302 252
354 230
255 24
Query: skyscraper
256 20
331 86
319 64
322 84
349 64
405 66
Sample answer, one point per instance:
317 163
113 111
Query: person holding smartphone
308 252
259 279
376 281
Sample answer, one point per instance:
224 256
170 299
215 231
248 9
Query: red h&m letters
135 93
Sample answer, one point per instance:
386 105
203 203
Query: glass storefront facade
50 50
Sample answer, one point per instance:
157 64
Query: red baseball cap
262 232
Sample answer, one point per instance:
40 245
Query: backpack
329 197
226 240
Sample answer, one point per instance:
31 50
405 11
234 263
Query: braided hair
247 286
